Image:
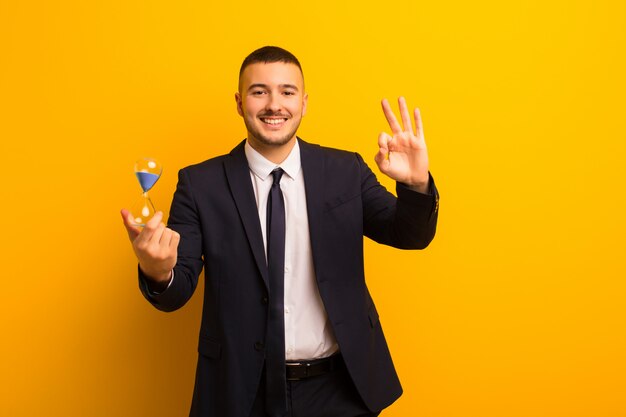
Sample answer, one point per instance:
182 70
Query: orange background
516 309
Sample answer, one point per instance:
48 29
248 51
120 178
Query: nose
273 104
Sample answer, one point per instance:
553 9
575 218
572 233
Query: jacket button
264 300
258 346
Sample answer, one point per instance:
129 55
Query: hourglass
148 172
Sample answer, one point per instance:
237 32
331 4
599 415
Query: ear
305 100
239 104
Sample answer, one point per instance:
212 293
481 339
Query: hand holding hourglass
155 245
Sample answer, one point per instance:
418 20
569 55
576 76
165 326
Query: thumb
382 161
382 156
131 228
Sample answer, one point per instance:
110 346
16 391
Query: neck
273 153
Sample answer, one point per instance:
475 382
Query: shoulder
208 165
215 166
203 175
333 158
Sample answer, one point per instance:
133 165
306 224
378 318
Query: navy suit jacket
214 210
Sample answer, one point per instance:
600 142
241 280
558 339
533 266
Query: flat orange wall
516 309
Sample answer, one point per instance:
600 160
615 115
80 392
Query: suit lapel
312 161
238 176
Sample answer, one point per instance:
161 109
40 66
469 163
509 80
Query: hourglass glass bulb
148 171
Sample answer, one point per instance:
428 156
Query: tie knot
277 174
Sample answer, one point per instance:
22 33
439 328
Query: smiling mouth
273 121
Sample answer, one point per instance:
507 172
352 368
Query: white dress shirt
308 334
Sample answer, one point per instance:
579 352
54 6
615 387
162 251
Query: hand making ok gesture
403 156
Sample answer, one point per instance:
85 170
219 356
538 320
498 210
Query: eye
258 92
289 93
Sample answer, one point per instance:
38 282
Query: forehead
271 74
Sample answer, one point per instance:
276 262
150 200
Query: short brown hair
269 54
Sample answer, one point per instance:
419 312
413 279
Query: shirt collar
262 168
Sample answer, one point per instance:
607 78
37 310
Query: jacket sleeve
408 221
183 219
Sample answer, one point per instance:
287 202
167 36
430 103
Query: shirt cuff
151 292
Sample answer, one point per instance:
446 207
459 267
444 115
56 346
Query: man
288 325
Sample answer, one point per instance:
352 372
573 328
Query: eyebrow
259 85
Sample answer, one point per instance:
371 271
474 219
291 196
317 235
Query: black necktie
276 398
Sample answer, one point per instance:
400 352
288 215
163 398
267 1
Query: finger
175 240
381 160
155 220
166 237
418 122
404 113
131 228
391 118
383 141
151 226
158 233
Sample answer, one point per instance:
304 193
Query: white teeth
273 121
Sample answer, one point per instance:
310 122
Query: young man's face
271 101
